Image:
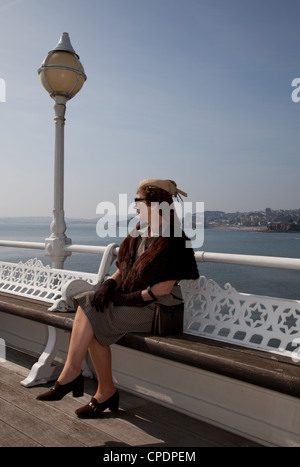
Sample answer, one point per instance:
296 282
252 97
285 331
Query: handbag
168 320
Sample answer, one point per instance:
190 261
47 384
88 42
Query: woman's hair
156 195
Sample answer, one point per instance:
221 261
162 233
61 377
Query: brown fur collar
165 259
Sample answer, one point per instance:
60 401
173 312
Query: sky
197 91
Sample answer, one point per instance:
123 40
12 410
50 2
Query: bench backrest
265 323
33 279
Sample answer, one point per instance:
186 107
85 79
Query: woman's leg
81 338
101 358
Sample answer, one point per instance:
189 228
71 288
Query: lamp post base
55 244
55 249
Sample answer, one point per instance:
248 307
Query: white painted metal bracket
45 369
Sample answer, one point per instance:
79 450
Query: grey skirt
116 321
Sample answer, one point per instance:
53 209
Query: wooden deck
25 421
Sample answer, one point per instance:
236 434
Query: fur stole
167 258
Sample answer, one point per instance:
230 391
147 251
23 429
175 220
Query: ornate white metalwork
33 279
56 286
265 323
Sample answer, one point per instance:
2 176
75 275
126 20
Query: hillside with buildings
267 220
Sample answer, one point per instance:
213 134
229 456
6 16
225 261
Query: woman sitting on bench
151 261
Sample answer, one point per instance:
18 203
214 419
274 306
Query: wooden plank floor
25 421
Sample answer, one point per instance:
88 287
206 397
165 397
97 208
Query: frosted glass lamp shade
61 72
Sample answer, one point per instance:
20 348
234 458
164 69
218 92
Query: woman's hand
104 294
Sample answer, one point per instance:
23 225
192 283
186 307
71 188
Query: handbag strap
155 319
177 298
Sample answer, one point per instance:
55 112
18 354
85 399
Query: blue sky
198 91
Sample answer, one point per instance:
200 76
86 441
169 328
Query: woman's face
141 207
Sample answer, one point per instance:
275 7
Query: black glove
104 294
128 299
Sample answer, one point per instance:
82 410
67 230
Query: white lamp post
62 75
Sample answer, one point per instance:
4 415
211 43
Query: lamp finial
64 44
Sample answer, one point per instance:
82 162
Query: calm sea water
262 281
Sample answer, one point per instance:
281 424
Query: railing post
55 244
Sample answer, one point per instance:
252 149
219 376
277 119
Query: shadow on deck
139 422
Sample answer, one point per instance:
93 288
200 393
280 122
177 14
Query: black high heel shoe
58 391
95 408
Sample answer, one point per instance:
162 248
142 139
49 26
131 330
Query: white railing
98 250
19 244
41 246
248 260
201 256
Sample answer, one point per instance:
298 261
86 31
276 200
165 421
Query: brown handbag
168 320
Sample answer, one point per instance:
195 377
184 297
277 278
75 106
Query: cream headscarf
167 185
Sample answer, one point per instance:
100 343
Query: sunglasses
138 200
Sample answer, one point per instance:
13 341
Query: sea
248 279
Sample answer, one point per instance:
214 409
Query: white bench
219 314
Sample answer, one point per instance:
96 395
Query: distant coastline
268 220
254 221
284 228
236 227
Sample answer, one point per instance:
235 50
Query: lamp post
62 75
